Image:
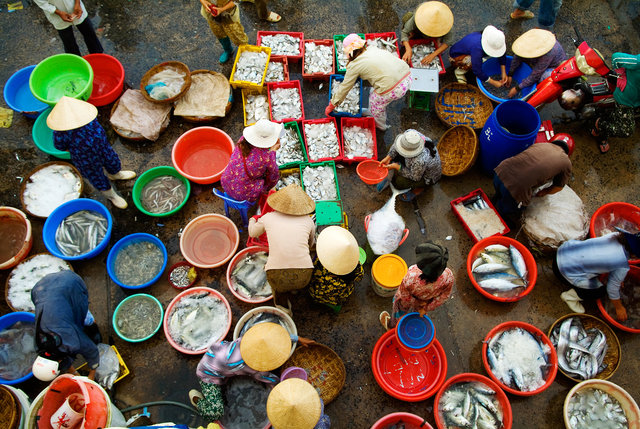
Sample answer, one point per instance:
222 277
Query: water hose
151 404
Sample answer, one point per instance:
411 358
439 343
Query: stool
424 82
420 100
241 206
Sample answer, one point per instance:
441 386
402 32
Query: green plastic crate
420 100
335 51
318 164
294 124
329 212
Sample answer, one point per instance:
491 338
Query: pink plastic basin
209 241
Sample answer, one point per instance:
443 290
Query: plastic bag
109 368
166 84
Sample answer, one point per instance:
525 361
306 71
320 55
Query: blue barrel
511 128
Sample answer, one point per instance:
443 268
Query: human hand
329 109
512 92
495 83
509 82
407 56
621 314
426 60
64 15
92 375
214 10
393 166
504 78
304 341
276 146
77 10
384 161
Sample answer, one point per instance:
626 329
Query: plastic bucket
201 154
209 241
604 219
10 217
294 372
18 96
42 136
410 421
148 176
136 296
511 128
415 333
108 79
7 321
387 273
62 74
492 67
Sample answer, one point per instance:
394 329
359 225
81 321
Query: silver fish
386 226
250 67
138 262
495 271
198 320
322 140
581 352
318 58
387 44
249 277
163 194
351 103
342 57
594 408
285 104
256 108
320 182
290 179
282 44
419 51
180 276
358 142
80 232
275 72
290 148
138 317
470 405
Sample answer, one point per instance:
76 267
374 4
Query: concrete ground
141 34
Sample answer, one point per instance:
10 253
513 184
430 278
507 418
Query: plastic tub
108 79
25 404
42 136
147 177
371 172
67 209
336 38
181 264
5 322
387 273
232 265
295 84
511 128
319 76
473 233
410 421
18 96
634 272
209 241
530 262
17 246
365 123
130 239
306 139
339 78
388 36
492 67
507 420
246 84
201 154
552 357
294 372
415 332
604 219
61 74
288 321
114 319
295 58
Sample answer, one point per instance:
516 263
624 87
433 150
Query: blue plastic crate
340 78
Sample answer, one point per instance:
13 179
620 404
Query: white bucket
381 290
67 415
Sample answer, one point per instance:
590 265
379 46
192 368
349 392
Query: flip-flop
526 15
384 318
603 145
273 17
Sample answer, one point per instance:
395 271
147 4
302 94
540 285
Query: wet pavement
142 34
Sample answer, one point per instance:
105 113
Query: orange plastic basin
201 154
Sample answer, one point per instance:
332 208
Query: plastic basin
42 136
201 154
530 262
606 217
177 265
288 321
61 74
67 209
16 246
116 312
18 96
147 177
108 78
5 322
492 67
553 357
634 272
131 239
410 421
209 241
232 265
415 332
371 172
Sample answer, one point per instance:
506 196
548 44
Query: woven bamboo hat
337 250
70 113
292 200
534 43
265 346
294 404
434 18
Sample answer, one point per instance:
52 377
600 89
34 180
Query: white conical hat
71 113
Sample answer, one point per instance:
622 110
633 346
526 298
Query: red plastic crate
320 76
285 63
425 42
545 133
289 84
367 122
291 58
306 146
464 224
264 209
391 35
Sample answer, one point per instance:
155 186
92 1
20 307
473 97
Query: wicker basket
462 104
130 136
157 69
611 359
458 149
201 119
325 368
27 179
10 409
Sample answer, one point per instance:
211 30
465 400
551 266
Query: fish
384 43
490 268
275 72
290 179
182 275
263 318
581 351
318 59
256 107
386 226
419 51
285 104
80 232
250 67
198 320
282 44
26 274
138 263
249 277
500 270
163 194
518 262
497 284
320 183
358 142
17 350
470 405
138 317
322 141
290 148
342 58
351 103
594 408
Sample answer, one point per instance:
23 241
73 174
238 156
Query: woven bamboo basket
200 119
26 181
613 355
463 104
325 368
10 409
458 149
130 135
157 69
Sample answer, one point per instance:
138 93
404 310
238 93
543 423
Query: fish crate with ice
359 149
347 108
273 73
255 105
318 62
429 43
388 40
321 140
256 83
478 216
316 185
340 57
290 148
277 53
279 109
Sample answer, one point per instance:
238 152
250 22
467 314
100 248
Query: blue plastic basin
18 96
5 322
492 67
129 239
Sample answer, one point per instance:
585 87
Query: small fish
138 263
419 51
285 104
387 44
322 141
320 183
251 67
351 103
72 236
163 194
275 72
290 148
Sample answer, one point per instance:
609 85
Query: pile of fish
249 278
290 148
265 317
17 350
386 226
250 67
581 351
358 142
163 194
182 275
419 51
481 219
256 107
198 320
343 59
245 400
593 408
282 44
320 183
318 59
49 187
80 232
138 317
322 140
470 405
109 369
501 92
24 277
290 179
138 263
286 104
500 270
351 103
275 72
630 298
384 43
518 359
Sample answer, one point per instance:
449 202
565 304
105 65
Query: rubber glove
329 109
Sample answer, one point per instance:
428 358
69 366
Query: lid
389 270
363 255
415 331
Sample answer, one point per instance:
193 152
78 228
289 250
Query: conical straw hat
265 346
534 43
337 250
70 113
434 18
292 200
294 404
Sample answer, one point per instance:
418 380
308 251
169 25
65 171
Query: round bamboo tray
157 69
130 136
10 409
27 179
458 149
463 104
201 119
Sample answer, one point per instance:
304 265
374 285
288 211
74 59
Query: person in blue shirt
468 53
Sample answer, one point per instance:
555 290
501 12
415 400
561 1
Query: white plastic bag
109 368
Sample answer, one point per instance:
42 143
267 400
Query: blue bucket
130 239
5 322
18 96
511 128
42 136
415 332
492 67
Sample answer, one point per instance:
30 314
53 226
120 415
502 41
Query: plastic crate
291 58
285 63
335 51
124 370
320 164
319 76
545 133
340 78
295 126
413 42
306 145
244 84
391 35
420 100
368 123
245 93
264 209
289 84
467 228
329 213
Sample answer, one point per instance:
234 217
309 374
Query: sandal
195 397
603 145
384 319
273 17
527 14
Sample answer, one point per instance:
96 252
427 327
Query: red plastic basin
108 78
634 273
608 216
410 421
201 154
232 265
371 172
